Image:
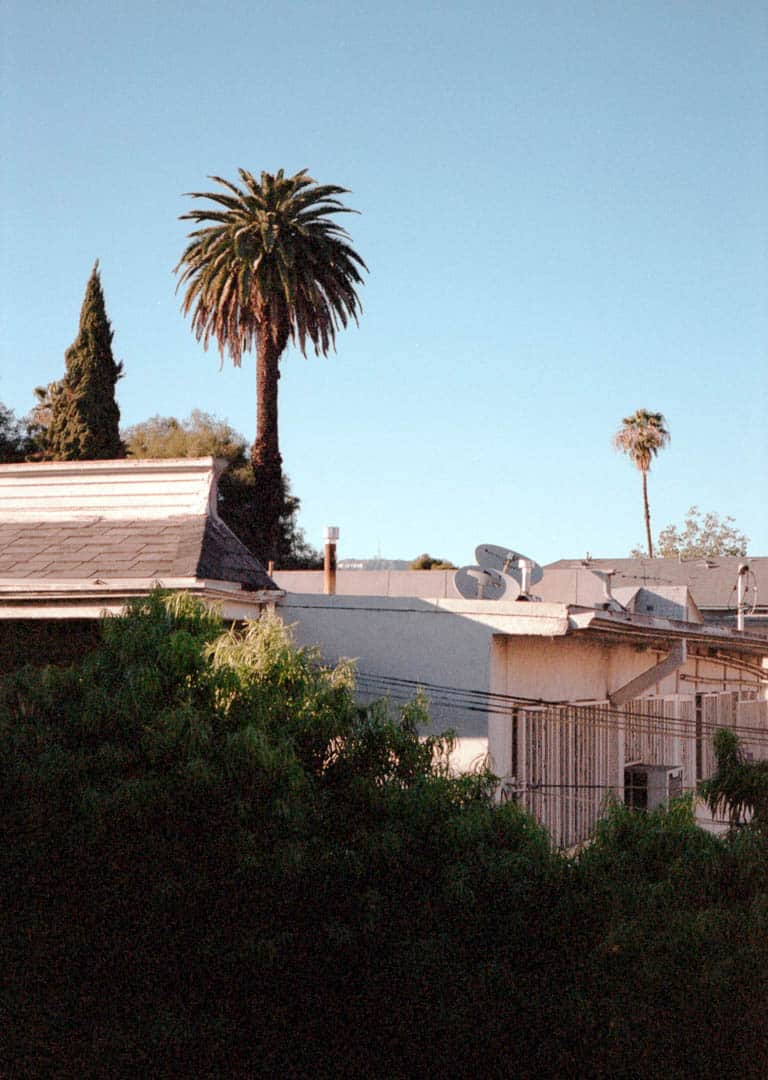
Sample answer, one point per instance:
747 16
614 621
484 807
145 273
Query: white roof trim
113 490
518 618
92 599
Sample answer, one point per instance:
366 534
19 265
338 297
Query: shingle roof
196 546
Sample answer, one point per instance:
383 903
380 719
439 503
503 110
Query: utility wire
598 715
495 698
483 701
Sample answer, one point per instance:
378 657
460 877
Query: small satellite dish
478 583
525 571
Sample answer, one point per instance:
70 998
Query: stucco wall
405 583
574 669
391 639
460 651
449 647
557 669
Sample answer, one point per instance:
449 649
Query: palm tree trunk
647 514
266 449
266 461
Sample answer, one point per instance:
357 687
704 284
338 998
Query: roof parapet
124 489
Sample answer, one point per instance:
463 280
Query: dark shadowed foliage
738 786
16 440
221 865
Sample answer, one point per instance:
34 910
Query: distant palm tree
640 437
267 267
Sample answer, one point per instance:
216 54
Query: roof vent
610 603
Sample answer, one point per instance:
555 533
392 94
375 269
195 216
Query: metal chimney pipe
741 588
329 560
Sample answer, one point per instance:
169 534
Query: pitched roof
85 549
103 522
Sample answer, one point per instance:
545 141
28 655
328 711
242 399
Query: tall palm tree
640 437
267 266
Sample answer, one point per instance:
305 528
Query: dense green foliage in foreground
214 864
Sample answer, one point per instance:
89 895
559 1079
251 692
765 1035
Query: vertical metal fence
569 758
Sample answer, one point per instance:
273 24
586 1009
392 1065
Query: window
636 789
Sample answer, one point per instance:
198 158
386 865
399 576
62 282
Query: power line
486 701
639 721
489 699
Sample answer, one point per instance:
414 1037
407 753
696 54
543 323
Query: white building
566 699
566 702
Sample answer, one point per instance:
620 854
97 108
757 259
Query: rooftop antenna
523 570
743 585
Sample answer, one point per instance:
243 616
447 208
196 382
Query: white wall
576 669
407 583
444 645
408 640
460 651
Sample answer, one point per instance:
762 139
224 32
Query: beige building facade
567 698
565 703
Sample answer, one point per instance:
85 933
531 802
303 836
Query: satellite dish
479 583
525 571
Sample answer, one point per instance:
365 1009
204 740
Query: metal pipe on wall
329 560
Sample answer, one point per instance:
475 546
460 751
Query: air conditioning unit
648 786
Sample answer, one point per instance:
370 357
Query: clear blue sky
563 208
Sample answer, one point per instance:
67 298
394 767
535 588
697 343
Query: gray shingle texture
194 546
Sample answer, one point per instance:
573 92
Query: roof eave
91 599
646 629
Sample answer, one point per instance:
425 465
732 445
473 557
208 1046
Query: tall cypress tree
85 417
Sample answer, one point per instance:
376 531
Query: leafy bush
222 865
429 562
738 786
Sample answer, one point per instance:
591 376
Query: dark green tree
84 415
268 265
16 442
272 879
429 562
738 786
202 434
